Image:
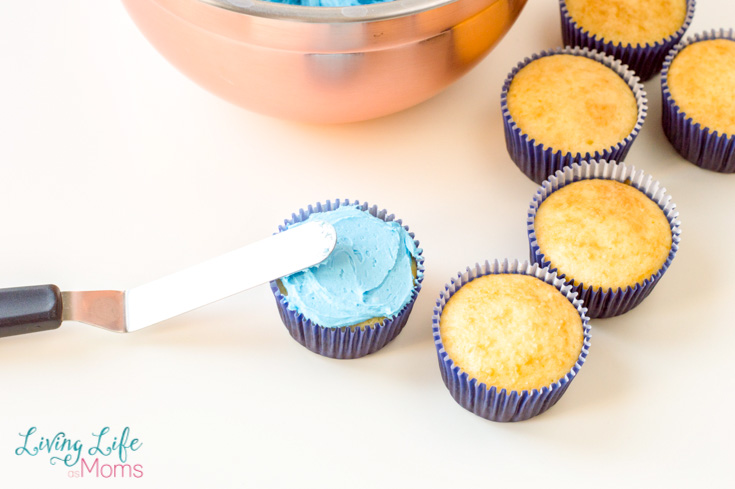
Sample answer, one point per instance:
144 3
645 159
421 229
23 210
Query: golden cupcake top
603 233
629 21
512 331
701 80
572 103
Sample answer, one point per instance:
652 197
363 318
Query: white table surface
115 169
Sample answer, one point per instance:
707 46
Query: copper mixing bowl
324 64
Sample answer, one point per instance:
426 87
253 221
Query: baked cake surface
629 21
701 80
512 331
572 103
603 233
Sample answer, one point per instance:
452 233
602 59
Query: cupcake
698 85
607 229
638 32
359 298
569 105
510 338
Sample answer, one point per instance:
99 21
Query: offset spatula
44 307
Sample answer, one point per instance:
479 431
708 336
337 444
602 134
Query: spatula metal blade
279 255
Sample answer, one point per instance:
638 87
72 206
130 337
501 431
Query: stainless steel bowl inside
324 64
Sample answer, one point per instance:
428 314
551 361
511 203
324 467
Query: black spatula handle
29 309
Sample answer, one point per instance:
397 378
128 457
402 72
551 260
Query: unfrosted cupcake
510 338
569 105
608 230
360 297
638 32
698 86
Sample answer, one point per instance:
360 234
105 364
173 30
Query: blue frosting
328 3
368 274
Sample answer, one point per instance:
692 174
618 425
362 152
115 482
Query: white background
115 169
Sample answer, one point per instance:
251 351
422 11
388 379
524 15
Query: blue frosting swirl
368 274
329 3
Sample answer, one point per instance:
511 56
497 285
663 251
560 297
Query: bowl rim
332 15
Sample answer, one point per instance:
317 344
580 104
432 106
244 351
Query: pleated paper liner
346 342
700 145
645 60
601 302
488 401
536 161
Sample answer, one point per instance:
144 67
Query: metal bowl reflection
324 64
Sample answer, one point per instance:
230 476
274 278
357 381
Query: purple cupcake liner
538 162
602 303
346 342
700 145
489 402
645 61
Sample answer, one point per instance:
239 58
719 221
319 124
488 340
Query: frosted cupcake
608 230
698 86
569 105
638 32
510 338
360 297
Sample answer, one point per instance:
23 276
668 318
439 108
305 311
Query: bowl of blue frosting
324 61
359 298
